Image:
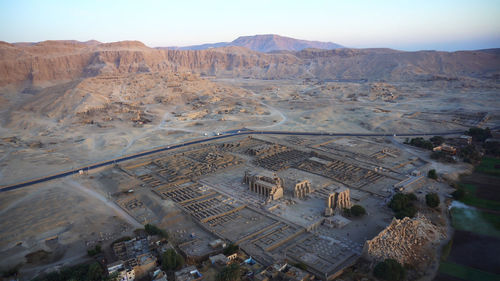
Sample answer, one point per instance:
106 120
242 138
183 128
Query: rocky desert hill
26 66
265 43
79 102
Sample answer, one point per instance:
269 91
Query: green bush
96 250
402 205
437 140
432 174
389 270
412 196
231 272
442 157
231 249
95 272
479 134
470 154
171 260
357 211
422 143
154 230
432 199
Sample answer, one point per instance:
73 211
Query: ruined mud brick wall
241 146
282 160
343 172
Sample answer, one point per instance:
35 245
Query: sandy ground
48 143
63 217
66 217
40 138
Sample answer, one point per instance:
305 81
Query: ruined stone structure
409 241
338 200
302 189
179 176
267 149
338 170
270 187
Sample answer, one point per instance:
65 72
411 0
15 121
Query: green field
471 199
467 273
487 166
473 220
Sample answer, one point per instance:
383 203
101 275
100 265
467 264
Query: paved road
227 134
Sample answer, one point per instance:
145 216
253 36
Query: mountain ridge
51 62
264 43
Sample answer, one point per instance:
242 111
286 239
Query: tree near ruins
171 260
432 174
231 249
437 140
389 270
402 205
231 272
432 199
357 211
154 230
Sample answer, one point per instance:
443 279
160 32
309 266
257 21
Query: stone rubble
409 241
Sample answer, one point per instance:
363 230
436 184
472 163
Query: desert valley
251 181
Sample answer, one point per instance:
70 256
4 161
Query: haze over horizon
406 25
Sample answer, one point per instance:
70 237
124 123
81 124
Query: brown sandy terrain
63 218
65 103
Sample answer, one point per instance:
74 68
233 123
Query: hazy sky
399 24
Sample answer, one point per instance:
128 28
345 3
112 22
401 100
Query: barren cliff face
44 64
53 62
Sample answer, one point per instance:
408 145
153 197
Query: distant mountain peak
123 44
266 36
267 43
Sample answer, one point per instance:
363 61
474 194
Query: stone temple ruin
267 198
338 200
269 187
302 189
